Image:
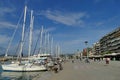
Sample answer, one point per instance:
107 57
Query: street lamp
86 42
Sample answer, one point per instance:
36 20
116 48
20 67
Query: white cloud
111 20
70 46
5 10
4 39
3 20
67 18
7 25
37 32
48 30
99 23
73 42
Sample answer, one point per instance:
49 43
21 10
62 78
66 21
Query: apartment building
96 48
110 43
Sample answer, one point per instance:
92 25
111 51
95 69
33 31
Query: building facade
110 43
96 48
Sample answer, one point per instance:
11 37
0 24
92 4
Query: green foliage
62 55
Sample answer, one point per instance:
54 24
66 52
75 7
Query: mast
51 46
45 49
57 51
30 35
23 32
41 36
48 46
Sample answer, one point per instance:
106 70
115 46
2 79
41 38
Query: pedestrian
60 65
72 60
50 65
87 60
55 68
80 59
107 60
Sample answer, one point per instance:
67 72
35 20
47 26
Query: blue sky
69 22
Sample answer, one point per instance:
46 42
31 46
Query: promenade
85 71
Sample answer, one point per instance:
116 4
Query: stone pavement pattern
85 71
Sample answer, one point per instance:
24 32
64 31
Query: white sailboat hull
23 68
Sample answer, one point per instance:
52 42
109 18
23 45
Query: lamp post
86 42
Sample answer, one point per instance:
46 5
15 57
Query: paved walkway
85 71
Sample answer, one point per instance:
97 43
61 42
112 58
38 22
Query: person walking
72 60
107 60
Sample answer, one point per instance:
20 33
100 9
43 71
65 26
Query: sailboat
44 48
26 66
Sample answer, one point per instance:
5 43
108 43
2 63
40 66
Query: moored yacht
19 65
